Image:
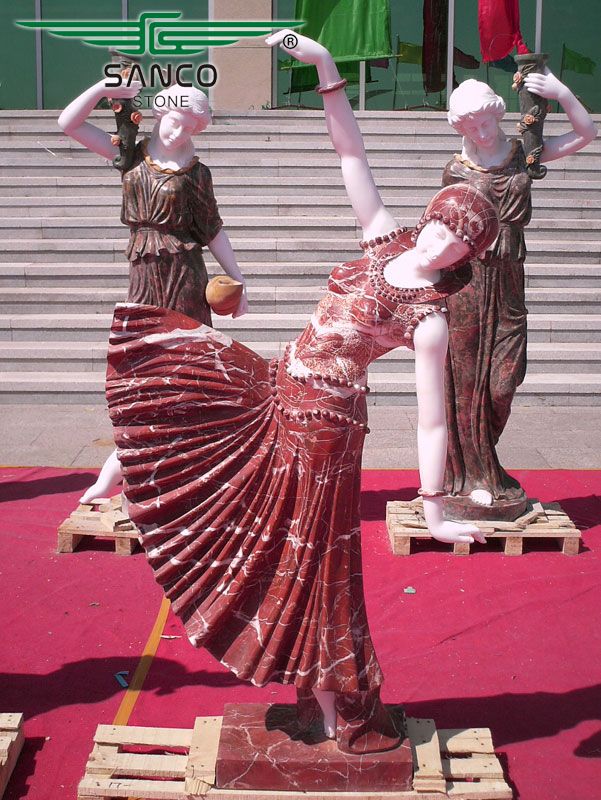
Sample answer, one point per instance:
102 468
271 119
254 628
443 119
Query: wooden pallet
405 522
105 520
458 764
11 744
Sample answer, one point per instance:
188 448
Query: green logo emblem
159 32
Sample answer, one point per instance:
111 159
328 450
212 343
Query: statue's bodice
362 316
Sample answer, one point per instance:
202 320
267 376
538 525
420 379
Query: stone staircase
279 189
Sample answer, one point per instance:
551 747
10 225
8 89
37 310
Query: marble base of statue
262 747
462 507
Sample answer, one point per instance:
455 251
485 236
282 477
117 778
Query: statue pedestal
12 739
463 508
262 748
104 520
405 522
181 764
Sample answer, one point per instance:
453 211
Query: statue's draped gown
486 361
243 475
172 214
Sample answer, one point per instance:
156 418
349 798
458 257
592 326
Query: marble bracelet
331 87
431 492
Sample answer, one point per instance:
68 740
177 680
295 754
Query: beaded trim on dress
450 282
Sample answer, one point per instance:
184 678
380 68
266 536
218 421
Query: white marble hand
306 50
451 532
121 92
545 85
444 530
242 305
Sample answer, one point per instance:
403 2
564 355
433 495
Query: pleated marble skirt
244 482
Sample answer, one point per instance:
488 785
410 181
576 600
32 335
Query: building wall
244 69
53 73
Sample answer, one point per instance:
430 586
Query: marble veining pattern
243 475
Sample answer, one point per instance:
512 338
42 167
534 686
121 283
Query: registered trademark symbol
290 41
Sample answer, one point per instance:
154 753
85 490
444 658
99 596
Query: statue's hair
470 98
196 103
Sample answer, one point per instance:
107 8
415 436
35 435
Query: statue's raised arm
344 133
73 120
583 130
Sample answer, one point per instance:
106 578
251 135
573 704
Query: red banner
499 26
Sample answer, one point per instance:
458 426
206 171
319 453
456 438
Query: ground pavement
535 438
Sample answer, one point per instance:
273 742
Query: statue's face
437 247
482 129
176 128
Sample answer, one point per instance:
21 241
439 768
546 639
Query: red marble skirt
244 482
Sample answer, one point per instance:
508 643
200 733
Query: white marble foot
109 475
326 702
481 497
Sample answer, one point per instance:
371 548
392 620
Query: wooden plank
11 722
468 740
67 541
6 742
461 548
179 777
126 787
13 751
531 516
514 545
202 760
535 524
159 737
571 545
137 765
99 762
426 752
480 790
242 794
402 545
124 546
105 521
480 766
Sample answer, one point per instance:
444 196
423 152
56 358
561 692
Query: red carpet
509 643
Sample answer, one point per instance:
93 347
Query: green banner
577 62
352 30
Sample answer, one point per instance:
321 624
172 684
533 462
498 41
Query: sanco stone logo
160 33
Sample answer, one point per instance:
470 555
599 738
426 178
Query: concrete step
292 165
409 207
543 357
418 122
310 186
294 123
280 227
222 148
95 275
284 250
264 327
439 140
386 388
263 299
